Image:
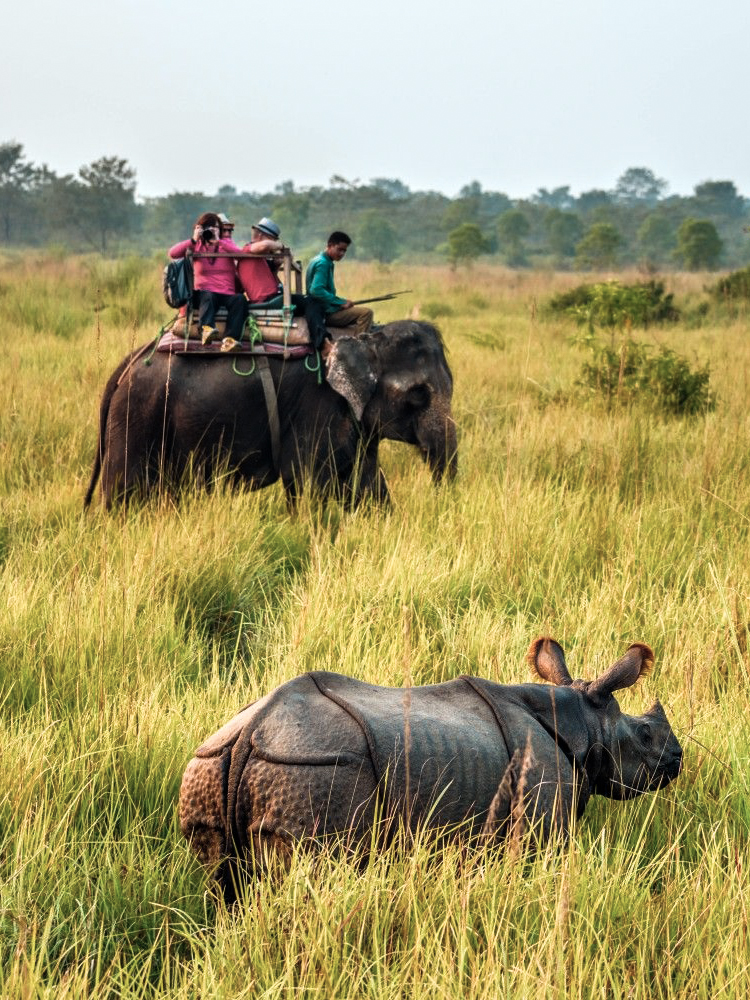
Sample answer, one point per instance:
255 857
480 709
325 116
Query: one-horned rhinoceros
327 754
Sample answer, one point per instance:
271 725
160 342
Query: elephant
171 413
328 756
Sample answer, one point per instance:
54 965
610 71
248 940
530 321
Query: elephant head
399 386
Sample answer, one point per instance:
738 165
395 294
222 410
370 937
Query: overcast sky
516 95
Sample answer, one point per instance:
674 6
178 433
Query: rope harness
272 407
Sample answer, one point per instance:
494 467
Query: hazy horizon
515 98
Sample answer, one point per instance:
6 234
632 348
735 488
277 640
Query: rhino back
437 749
526 711
294 723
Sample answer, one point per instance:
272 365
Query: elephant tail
109 391
101 443
95 472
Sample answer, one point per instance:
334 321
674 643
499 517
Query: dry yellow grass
126 639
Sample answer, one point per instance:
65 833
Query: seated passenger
260 278
226 228
319 285
260 281
214 278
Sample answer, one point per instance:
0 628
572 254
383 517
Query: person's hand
197 232
348 304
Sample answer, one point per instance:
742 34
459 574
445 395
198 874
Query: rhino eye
645 735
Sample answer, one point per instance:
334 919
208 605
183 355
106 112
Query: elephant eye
418 396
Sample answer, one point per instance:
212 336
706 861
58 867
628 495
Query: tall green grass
127 638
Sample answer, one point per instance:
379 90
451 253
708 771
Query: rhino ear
350 373
547 661
637 661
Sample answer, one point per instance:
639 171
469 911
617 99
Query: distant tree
512 228
587 201
337 181
466 243
290 213
377 237
492 204
173 217
394 188
698 244
559 198
656 238
421 222
471 190
598 248
62 209
564 230
17 180
106 199
639 184
227 192
719 198
460 211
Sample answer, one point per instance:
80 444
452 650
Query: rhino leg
280 804
276 806
539 792
202 808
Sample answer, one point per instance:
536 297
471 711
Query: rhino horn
547 661
636 662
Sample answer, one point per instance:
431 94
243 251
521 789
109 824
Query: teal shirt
319 282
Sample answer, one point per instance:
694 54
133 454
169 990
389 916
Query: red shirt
256 277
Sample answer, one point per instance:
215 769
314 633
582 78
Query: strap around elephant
272 406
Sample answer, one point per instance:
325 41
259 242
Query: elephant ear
350 373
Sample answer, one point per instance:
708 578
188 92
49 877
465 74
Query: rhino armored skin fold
327 755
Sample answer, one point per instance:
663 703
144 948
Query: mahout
163 416
328 757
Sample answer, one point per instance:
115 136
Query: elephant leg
368 481
125 472
293 492
137 440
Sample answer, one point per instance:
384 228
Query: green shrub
563 302
733 288
632 373
612 305
436 310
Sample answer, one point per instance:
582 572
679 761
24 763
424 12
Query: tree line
636 223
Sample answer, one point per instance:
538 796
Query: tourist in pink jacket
214 278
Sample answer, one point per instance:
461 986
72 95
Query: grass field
126 639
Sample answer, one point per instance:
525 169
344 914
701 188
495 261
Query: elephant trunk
436 434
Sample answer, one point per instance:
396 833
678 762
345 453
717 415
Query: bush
732 288
436 310
632 374
698 244
563 302
612 305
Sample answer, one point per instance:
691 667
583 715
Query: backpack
177 283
